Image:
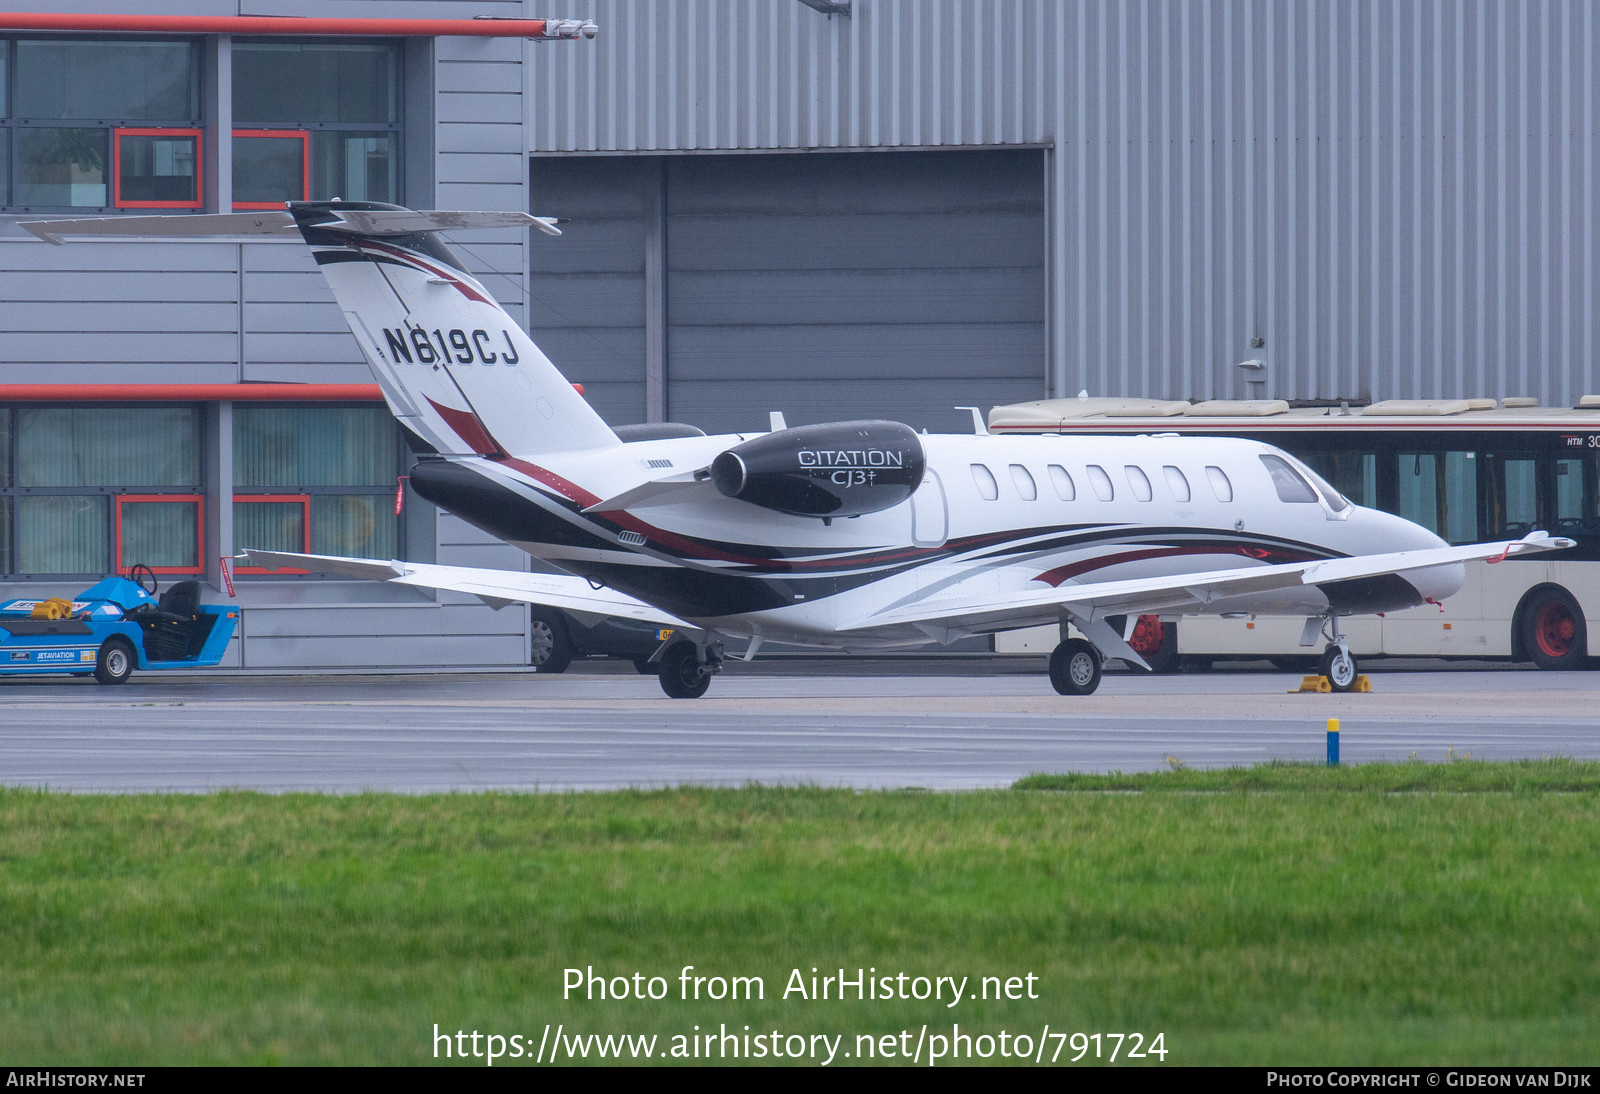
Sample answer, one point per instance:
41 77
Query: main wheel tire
644 666
114 663
1157 643
1339 666
1075 668
680 672
552 646
1553 631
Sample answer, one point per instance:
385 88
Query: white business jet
849 535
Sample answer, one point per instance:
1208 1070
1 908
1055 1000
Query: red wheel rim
1555 629
1148 634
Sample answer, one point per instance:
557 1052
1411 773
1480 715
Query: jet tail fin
456 370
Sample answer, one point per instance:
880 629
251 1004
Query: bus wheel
1075 668
1157 643
1553 631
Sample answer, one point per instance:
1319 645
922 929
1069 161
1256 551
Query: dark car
558 638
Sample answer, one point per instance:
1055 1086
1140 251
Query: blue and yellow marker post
1333 742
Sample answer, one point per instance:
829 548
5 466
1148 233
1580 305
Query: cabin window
1101 482
1176 483
1220 486
1026 489
1139 482
1287 482
983 478
1066 489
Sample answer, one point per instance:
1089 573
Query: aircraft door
930 519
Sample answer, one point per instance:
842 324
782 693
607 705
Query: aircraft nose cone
1434 582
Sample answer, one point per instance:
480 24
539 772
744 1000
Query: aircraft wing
495 587
1089 603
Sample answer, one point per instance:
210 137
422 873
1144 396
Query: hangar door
824 285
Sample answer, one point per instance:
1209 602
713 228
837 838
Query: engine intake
839 469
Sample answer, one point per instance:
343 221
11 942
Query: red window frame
199 531
116 169
304 137
305 528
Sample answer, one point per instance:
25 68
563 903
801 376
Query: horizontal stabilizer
564 591
272 222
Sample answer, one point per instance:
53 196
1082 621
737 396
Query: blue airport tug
114 627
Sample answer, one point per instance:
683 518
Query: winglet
1537 540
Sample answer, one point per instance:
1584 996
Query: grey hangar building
880 208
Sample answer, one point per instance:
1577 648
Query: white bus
1470 470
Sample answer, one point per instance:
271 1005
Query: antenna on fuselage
979 426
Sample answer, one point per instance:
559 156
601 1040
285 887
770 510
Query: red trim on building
190 393
117 199
274 25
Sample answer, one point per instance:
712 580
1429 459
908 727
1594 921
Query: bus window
983 478
1460 497
1418 498
1066 490
1024 482
1220 486
1139 482
1576 501
1101 482
1439 490
1287 482
1176 483
1513 494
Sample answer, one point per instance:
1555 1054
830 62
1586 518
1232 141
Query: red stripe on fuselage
1269 555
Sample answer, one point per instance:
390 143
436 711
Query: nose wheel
1338 664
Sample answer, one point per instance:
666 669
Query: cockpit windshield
1287 481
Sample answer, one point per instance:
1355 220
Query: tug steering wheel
144 577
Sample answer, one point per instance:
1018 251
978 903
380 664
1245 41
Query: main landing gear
1075 667
687 667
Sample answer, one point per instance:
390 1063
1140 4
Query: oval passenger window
984 478
1177 483
1220 486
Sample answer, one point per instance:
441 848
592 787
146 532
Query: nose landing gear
1338 664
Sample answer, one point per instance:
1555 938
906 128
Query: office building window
97 124
87 491
316 478
316 119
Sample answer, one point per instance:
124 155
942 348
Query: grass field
1408 913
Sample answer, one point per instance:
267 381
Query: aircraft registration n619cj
848 535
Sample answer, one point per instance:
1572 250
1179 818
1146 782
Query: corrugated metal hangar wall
1375 199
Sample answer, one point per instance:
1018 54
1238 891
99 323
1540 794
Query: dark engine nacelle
840 469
